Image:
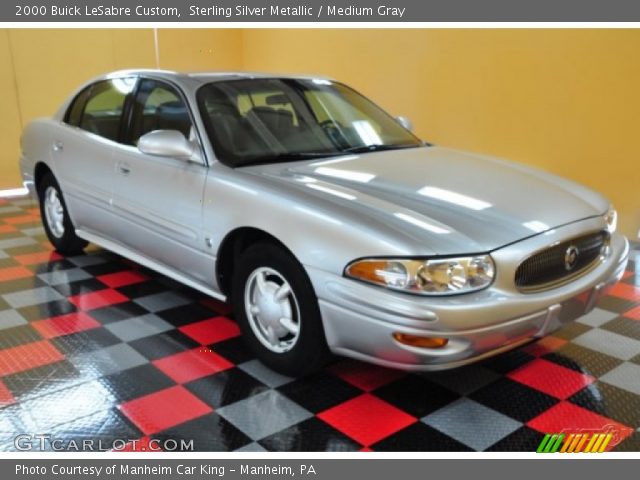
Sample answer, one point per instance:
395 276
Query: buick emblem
571 257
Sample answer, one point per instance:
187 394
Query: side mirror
166 143
405 122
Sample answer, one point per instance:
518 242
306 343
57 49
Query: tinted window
74 113
158 106
102 113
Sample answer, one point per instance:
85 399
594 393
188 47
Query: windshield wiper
290 157
378 148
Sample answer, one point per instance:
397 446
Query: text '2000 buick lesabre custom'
328 224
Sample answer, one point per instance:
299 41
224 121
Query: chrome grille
549 267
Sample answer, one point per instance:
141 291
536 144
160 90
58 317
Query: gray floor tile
463 380
33 231
68 404
258 370
473 424
27 201
252 447
625 376
10 209
610 343
59 277
264 414
139 327
11 318
86 260
162 301
597 317
35 296
3 254
106 361
16 242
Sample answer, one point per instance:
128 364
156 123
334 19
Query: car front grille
552 267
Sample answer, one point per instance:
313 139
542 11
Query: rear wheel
55 218
277 311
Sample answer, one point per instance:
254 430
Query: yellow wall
567 101
39 68
564 100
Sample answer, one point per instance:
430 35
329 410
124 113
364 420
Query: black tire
68 243
309 352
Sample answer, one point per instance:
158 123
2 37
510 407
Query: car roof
198 78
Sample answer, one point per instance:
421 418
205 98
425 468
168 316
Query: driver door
159 198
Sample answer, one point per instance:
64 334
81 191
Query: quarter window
74 113
103 109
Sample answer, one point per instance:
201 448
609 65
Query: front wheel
277 311
55 218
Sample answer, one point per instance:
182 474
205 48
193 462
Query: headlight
611 218
436 276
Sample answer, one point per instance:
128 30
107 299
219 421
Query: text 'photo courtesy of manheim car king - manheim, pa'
329 226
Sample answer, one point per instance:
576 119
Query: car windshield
270 120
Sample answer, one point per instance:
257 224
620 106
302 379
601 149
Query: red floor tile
634 313
567 417
192 364
13 273
211 330
626 291
28 356
164 409
101 298
65 324
7 228
6 398
367 419
120 279
544 345
365 376
21 220
39 257
551 378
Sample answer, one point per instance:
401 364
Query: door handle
58 146
124 168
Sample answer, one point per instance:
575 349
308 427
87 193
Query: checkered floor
96 347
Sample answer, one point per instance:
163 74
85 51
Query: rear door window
104 107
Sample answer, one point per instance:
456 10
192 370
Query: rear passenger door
159 199
82 153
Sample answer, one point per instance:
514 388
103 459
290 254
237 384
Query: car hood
454 201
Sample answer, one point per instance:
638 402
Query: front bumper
360 319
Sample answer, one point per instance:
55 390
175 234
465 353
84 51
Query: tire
270 329
55 218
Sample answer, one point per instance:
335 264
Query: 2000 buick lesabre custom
326 222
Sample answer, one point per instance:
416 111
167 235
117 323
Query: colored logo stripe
574 443
550 443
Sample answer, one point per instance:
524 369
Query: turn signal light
421 342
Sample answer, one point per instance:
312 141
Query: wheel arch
236 242
40 170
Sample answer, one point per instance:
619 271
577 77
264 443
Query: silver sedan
327 224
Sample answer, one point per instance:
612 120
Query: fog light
421 342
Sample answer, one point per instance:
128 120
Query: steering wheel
335 131
331 123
